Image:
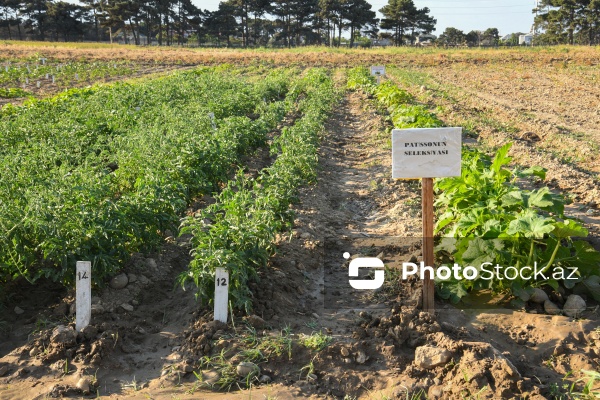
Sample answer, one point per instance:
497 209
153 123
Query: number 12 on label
221 294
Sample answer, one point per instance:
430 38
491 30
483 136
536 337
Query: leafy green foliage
98 173
12 93
17 73
360 79
237 232
402 114
486 218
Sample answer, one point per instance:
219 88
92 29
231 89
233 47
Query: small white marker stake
76 76
52 78
221 294
212 120
83 302
38 84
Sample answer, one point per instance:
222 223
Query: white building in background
425 40
526 39
382 42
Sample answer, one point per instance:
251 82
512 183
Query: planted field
273 170
108 170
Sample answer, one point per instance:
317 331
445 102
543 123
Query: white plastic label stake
221 294
38 84
83 302
77 77
212 120
52 78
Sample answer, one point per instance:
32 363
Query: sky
508 16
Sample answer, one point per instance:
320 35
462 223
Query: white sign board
83 295
221 294
426 152
378 70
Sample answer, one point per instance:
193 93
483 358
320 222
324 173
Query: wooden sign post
426 153
428 256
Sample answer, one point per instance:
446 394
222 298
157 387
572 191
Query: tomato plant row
238 231
17 74
98 173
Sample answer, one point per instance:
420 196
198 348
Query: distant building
128 38
425 40
526 40
382 42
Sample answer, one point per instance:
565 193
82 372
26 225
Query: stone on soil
551 308
63 336
361 357
97 309
574 306
256 321
119 281
538 296
83 384
247 369
428 357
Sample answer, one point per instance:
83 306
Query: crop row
22 73
238 231
98 173
484 216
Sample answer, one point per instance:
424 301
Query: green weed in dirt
316 341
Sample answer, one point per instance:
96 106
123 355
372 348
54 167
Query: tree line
245 22
254 23
567 22
455 37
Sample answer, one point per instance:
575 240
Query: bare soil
312 56
149 339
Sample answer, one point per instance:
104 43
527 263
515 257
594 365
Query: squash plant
485 217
